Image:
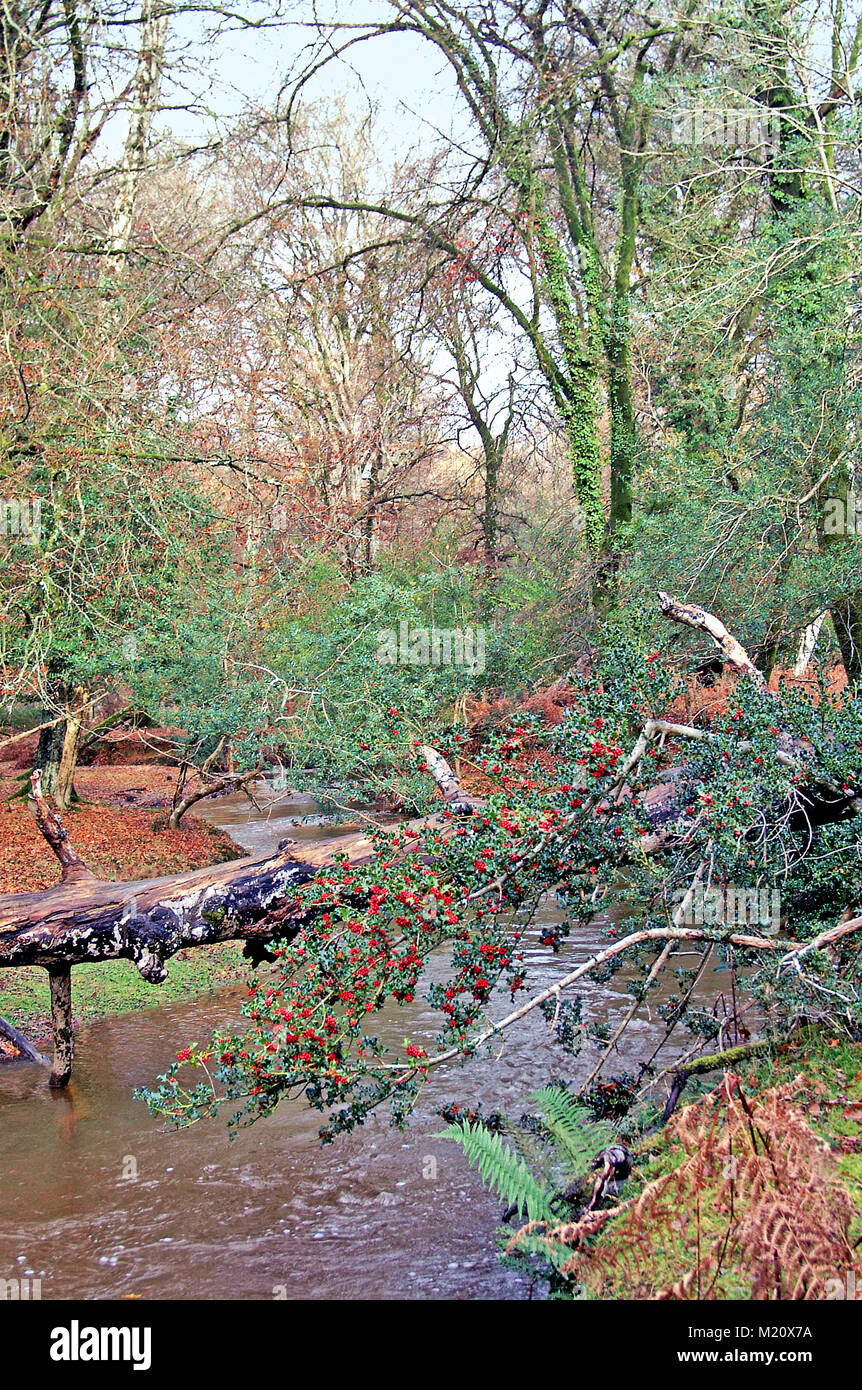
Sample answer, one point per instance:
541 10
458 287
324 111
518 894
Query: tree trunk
60 978
807 644
65 790
578 399
84 919
57 751
622 418
49 753
490 511
618 352
148 78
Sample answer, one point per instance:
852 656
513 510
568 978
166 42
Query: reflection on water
99 1203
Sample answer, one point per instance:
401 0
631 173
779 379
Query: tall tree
559 99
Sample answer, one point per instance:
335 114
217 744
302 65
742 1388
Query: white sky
399 73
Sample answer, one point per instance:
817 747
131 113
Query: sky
399 74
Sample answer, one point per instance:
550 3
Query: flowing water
98 1202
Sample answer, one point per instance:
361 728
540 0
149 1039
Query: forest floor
119 829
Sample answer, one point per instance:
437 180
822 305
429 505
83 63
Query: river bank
119 828
752 1191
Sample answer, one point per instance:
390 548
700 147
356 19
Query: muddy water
98 1202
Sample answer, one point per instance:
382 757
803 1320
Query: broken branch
692 615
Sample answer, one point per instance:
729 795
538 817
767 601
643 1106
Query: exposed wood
148 920
450 786
691 615
53 830
807 645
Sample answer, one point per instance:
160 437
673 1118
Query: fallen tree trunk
147 921
256 899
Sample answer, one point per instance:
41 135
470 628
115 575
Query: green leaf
501 1170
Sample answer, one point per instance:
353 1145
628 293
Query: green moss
115 987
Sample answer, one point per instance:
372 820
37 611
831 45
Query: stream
97 1201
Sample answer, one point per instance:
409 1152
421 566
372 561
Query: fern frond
500 1170
540 1157
570 1127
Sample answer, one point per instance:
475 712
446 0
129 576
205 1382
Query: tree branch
691 615
54 832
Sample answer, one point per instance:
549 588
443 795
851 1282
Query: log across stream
85 919
97 1201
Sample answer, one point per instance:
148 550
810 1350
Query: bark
60 978
701 1066
481 409
844 609
59 744
48 753
807 645
622 417
691 615
448 783
148 78
618 350
52 829
491 508
65 789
